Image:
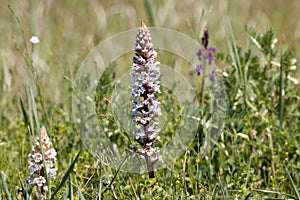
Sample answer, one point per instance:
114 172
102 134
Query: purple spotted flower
205 55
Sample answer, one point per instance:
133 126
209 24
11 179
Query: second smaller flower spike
36 166
205 55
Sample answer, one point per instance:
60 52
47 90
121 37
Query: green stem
202 88
150 166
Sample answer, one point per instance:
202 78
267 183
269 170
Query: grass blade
71 196
150 12
233 50
100 182
24 191
281 94
19 24
25 116
80 195
4 186
293 184
66 176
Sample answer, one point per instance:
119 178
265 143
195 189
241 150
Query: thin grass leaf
24 191
232 49
100 183
66 194
2 82
242 73
71 196
19 24
115 176
25 116
66 176
29 109
292 182
273 192
236 54
149 11
248 173
279 184
266 191
132 186
281 94
80 195
44 113
4 186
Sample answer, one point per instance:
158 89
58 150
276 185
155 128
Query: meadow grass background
262 164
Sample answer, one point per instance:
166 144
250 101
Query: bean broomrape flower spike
36 166
145 106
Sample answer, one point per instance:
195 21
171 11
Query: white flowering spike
34 40
36 167
145 106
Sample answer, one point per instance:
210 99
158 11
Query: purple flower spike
205 55
199 68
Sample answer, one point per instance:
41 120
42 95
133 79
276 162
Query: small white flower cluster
34 40
145 83
37 173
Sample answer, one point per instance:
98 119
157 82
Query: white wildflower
34 40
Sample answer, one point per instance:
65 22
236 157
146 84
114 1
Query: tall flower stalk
205 56
38 173
145 106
